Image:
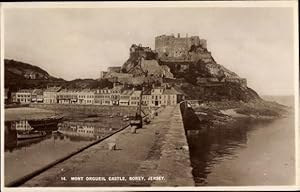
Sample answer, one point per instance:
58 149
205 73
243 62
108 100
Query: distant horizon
79 43
263 95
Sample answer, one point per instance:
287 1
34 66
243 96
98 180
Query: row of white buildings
159 96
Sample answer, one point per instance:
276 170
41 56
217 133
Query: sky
256 43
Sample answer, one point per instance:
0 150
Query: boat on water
31 135
45 124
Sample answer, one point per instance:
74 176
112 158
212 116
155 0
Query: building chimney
178 35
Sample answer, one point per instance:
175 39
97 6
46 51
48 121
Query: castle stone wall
169 46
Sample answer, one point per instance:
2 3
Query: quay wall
90 109
190 120
175 161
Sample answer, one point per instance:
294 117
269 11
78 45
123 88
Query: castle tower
169 47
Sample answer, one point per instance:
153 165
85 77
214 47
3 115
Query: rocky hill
198 75
25 70
20 75
88 84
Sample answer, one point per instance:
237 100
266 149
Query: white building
135 98
37 96
146 97
24 96
50 95
115 94
125 97
156 96
67 96
170 97
103 97
86 97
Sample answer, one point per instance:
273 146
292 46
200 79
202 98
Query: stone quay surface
156 155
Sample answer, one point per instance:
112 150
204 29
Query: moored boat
31 135
45 124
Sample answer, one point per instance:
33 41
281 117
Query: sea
250 153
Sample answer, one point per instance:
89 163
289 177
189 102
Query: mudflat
22 113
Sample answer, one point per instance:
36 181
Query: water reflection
209 147
21 155
20 134
85 130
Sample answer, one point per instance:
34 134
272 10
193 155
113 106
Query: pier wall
190 120
174 161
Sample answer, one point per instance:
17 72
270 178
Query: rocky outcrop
142 66
136 53
219 92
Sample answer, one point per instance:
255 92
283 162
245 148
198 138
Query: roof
118 87
136 93
87 91
101 91
68 91
127 92
52 89
156 91
37 91
179 90
171 91
25 91
147 92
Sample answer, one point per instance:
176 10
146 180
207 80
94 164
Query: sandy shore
232 113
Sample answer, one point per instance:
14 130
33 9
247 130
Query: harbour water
25 156
246 153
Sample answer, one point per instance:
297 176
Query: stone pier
156 155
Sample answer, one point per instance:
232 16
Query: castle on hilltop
171 47
173 58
